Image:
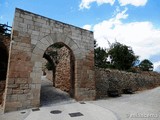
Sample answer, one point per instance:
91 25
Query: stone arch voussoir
50 39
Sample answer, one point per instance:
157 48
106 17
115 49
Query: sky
135 23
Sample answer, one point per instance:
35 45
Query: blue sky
135 23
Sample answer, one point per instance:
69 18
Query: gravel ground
144 105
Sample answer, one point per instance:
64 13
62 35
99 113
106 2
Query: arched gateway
31 35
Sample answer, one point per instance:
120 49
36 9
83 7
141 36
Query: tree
5 30
146 65
122 56
101 57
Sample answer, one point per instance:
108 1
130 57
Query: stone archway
42 45
59 67
58 81
31 35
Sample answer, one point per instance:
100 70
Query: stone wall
63 70
2 89
64 73
5 41
107 79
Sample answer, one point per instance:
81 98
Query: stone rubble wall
63 70
107 79
5 41
2 89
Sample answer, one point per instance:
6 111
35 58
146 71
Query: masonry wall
107 79
63 74
32 34
64 71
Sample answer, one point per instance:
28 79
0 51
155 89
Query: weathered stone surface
2 88
31 35
107 79
63 70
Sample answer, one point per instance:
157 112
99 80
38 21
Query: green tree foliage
5 30
101 58
146 65
122 56
51 54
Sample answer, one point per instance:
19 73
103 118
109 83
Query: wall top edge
28 12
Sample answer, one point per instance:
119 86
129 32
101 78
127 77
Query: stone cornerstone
32 34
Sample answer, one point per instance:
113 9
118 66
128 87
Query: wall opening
58 74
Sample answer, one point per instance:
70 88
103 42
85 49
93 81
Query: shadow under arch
3 61
3 70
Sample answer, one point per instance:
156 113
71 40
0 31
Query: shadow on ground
51 95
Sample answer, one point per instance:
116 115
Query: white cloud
87 27
86 3
157 66
133 2
1 17
141 36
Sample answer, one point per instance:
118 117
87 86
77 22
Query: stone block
28 22
38 86
13 104
36 80
9 91
38 51
21 80
24 86
45 42
22 25
30 96
35 32
28 17
17 91
11 98
38 64
42 46
33 41
26 104
26 40
22 97
49 39
13 86
35 103
26 91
